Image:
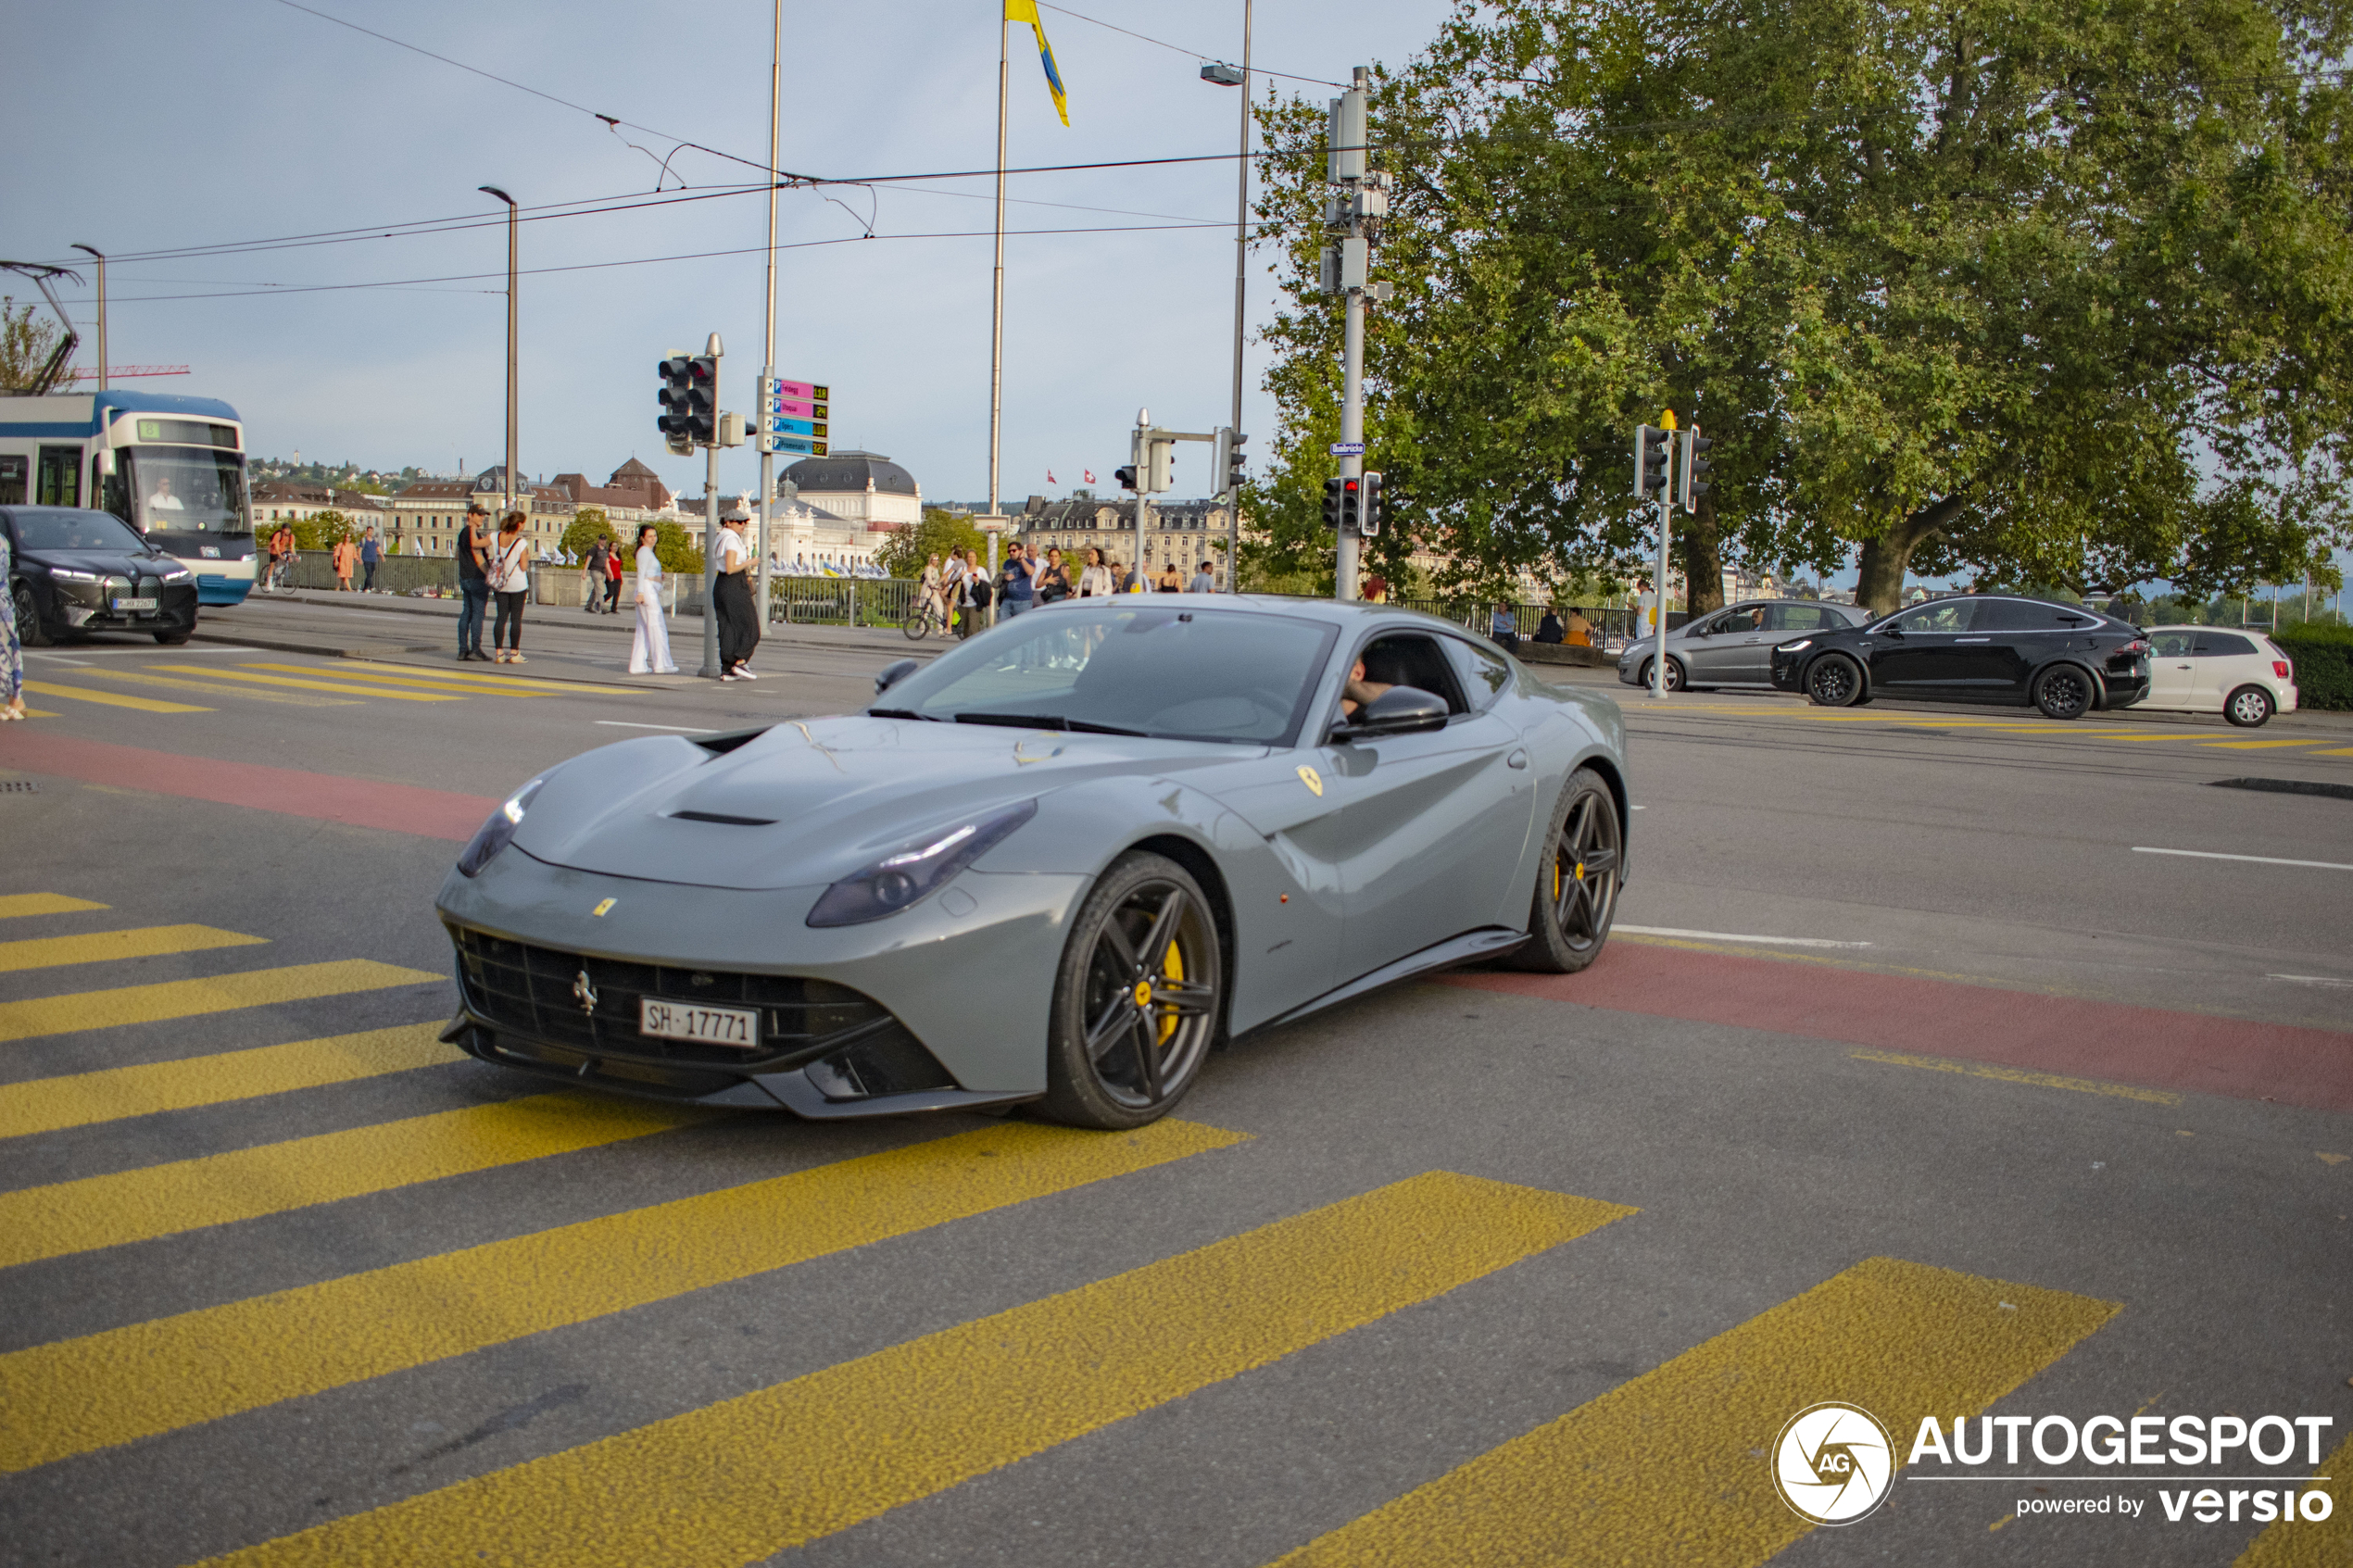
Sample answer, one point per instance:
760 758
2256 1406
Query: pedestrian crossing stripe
189 999
739 1480
15 905
80 1100
375 680
2309 1543
212 688
1672 1468
110 700
102 946
216 673
77 1395
245 1184
511 684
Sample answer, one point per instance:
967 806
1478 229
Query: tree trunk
1878 586
1703 559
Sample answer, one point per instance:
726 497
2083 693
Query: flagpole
996 308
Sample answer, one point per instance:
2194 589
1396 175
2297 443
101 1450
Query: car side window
2170 645
1939 615
1409 658
1483 675
2223 645
1800 618
1750 618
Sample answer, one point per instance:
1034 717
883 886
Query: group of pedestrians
491 567
962 591
600 579
352 556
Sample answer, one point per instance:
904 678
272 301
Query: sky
252 119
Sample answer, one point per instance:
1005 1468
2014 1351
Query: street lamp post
513 420
102 311
1241 308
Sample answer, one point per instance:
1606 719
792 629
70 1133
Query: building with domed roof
859 488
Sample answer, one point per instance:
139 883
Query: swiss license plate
709 1026
135 604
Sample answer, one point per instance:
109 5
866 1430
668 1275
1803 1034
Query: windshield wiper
1046 721
899 713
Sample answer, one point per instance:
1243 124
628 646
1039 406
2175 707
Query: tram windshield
183 491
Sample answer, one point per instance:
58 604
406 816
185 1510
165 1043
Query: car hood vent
724 819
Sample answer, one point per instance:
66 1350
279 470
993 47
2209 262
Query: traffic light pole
768 358
710 669
1351 430
1658 648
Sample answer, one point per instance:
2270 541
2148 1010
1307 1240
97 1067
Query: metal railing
841 601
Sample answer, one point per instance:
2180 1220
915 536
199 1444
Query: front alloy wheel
1674 674
1577 884
1834 682
30 631
1138 998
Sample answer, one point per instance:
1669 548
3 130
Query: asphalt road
1912 1078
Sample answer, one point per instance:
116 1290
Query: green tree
321 530
905 552
588 525
25 343
2050 292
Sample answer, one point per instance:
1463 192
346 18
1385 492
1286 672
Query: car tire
30 631
2063 690
173 639
1833 680
1115 1059
1577 881
2251 707
1674 674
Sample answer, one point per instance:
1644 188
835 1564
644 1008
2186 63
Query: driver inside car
1359 691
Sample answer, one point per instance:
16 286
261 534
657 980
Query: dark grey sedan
1734 646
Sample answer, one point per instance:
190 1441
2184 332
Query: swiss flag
1091 475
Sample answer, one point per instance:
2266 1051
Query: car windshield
181 490
1179 674
57 528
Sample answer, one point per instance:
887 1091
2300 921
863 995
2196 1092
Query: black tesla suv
74 572
1999 648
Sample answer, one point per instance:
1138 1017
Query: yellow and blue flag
1026 11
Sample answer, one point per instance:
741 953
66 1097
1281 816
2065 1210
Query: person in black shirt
473 581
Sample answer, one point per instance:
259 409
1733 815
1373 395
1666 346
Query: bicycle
921 620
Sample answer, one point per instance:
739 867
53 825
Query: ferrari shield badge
1311 778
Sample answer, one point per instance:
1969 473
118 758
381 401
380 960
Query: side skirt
1490 942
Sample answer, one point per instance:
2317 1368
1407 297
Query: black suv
1975 647
73 571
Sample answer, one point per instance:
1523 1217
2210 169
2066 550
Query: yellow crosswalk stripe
111 699
215 1189
2267 744
45 1105
77 1395
239 675
491 686
1669 1469
2309 1543
15 903
739 1480
2344 751
212 688
187 998
511 685
99 946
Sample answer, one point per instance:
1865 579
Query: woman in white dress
649 654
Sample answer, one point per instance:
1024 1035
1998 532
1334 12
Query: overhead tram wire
1180 49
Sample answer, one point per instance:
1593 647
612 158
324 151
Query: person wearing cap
473 581
730 599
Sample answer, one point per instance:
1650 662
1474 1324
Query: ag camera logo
1833 1462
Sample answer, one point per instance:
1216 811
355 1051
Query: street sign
795 444
796 408
806 391
795 427
1348 448
793 416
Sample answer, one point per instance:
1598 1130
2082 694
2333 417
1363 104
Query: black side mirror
891 674
1400 710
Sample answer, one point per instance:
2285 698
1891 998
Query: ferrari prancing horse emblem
583 991
1311 778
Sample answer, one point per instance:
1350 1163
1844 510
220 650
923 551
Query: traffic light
1650 460
1160 464
677 381
1691 477
1351 506
702 399
1127 478
1331 504
1370 524
1225 464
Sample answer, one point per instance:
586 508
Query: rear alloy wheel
2063 692
1834 682
1138 998
1577 884
1674 674
2251 707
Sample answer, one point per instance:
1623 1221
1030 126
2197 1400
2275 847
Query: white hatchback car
2238 672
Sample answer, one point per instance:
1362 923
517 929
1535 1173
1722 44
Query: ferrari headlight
494 834
1798 647
907 875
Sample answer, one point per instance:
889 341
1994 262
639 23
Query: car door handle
1516 760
